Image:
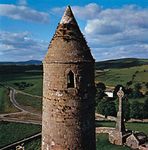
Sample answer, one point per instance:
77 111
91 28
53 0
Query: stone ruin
122 136
119 135
68 119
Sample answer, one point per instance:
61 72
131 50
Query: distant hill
117 63
30 62
121 63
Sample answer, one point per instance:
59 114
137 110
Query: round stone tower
68 119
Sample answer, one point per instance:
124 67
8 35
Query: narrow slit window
70 80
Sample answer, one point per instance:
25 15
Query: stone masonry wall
115 137
68 113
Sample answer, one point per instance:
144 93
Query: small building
109 91
109 94
136 139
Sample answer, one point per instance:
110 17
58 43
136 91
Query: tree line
6 69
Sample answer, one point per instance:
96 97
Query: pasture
12 132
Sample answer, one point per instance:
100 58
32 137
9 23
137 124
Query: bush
106 107
22 85
100 92
146 84
145 109
136 110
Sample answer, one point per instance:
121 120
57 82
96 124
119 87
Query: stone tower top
68 44
68 17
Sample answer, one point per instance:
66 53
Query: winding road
16 104
8 117
15 117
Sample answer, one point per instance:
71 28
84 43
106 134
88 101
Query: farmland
29 80
5 104
12 132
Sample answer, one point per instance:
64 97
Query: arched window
70 80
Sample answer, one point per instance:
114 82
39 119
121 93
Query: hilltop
29 62
121 63
116 63
121 71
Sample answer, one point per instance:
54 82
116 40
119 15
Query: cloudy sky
113 28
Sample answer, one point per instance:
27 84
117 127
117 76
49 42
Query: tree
100 92
101 86
129 83
129 92
137 87
126 109
137 93
137 110
133 77
145 109
146 84
146 93
106 107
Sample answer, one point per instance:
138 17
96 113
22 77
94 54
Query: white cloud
97 26
124 18
21 46
86 12
23 13
116 52
120 32
111 33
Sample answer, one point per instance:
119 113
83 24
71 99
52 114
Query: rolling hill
117 63
29 62
121 63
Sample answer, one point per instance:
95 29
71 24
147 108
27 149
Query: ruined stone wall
105 130
68 113
115 137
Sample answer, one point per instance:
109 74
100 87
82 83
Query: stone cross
120 93
120 120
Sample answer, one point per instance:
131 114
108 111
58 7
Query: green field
29 102
118 72
32 78
142 127
11 132
35 79
116 76
102 143
8 130
105 124
112 76
141 100
5 104
135 126
33 145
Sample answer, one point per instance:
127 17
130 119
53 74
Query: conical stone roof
68 44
